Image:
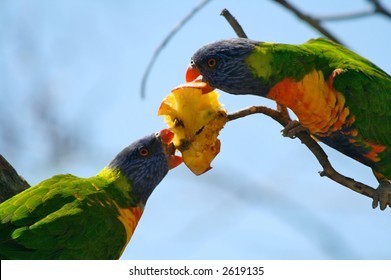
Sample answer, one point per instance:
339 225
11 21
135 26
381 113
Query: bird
68 217
340 97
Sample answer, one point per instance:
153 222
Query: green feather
62 217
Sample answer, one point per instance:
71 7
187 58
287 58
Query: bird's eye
143 152
212 62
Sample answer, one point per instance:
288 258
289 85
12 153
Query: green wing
367 91
369 100
368 96
64 217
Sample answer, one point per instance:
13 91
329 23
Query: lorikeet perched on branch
67 217
343 99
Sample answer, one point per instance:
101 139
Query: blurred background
70 75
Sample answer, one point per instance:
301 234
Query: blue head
146 162
222 65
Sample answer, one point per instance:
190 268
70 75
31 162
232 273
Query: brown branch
312 145
347 16
234 23
10 182
308 19
379 8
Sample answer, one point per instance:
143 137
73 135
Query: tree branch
311 144
346 16
234 23
379 8
308 19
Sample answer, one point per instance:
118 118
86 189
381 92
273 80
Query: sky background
70 73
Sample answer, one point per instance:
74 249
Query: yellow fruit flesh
196 119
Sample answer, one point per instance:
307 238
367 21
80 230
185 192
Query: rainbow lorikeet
341 98
67 217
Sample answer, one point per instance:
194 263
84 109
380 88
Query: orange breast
129 217
319 107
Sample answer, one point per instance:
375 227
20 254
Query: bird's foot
292 129
382 195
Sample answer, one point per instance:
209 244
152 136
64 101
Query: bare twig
234 23
256 110
379 8
166 40
312 145
346 16
308 19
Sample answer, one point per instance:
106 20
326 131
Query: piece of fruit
196 118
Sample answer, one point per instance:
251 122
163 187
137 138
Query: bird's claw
292 129
382 195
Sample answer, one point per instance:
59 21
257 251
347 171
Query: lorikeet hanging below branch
67 217
343 99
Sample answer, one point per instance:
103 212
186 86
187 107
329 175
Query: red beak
194 79
192 73
167 135
174 161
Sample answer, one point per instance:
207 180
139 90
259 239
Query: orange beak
167 136
193 75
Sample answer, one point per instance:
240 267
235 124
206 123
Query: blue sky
263 199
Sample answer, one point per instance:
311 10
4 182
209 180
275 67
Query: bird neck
120 187
129 208
270 63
